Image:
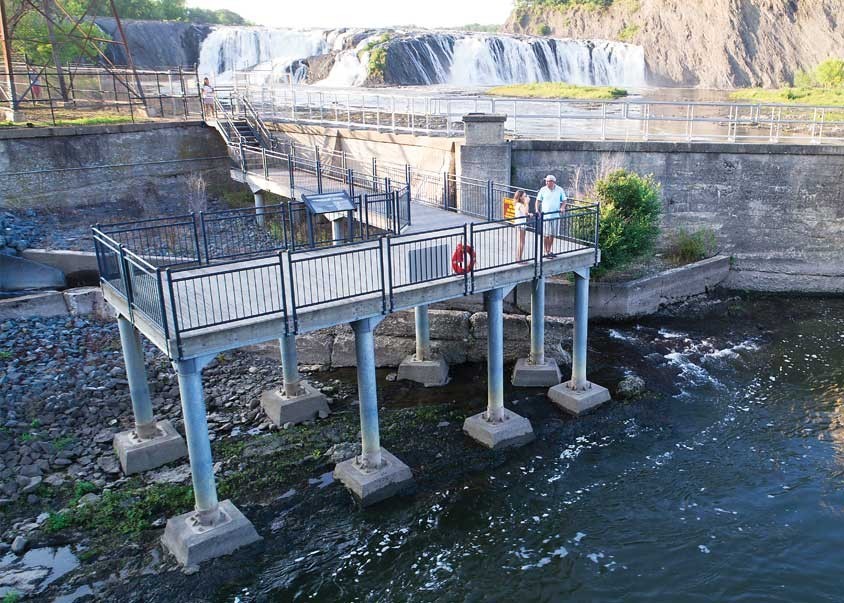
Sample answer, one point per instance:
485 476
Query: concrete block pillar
537 370
151 443
297 401
497 427
213 528
423 367
337 236
485 155
578 395
375 474
259 207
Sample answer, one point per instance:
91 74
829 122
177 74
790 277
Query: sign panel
509 208
327 203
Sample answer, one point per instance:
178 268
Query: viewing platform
346 247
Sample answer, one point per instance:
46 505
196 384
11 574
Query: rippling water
725 483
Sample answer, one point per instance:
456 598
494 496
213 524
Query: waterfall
477 59
258 48
422 58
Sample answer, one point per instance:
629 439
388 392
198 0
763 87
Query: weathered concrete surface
777 209
632 298
68 261
578 402
429 373
41 166
514 431
370 487
485 154
137 456
87 301
20 274
305 407
526 374
432 153
38 305
191 544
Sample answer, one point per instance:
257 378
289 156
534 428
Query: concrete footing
512 432
546 374
429 373
578 402
370 486
192 542
138 455
306 406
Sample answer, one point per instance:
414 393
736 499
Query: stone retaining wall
40 167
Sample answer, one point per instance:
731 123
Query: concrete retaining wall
632 298
40 167
81 301
777 209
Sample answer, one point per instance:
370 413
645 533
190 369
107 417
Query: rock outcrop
716 43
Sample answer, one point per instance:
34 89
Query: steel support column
289 365
537 321
495 354
259 207
199 445
133 356
423 333
367 392
581 319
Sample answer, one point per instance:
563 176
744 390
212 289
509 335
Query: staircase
245 133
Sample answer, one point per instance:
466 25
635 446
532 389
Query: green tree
830 73
630 209
30 35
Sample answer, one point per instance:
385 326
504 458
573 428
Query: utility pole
9 76
48 14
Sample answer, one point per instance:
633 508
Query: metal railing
140 94
276 281
633 119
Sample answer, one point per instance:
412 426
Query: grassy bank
558 90
792 96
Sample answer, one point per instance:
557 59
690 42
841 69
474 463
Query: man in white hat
551 200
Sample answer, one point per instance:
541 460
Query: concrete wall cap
480 118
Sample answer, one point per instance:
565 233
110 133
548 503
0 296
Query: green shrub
830 73
686 247
544 30
630 208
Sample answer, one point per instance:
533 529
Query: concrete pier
212 529
297 401
424 367
578 395
376 474
497 427
537 370
151 443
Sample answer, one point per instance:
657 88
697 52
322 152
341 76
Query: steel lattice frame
56 14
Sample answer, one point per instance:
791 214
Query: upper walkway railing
180 274
629 120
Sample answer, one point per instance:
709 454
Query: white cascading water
489 60
240 48
426 58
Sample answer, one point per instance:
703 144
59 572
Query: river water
723 483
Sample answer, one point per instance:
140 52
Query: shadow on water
723 482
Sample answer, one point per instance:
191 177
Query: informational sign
428 263
509 208
327 203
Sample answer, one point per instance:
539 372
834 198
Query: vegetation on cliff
822 86
173 10
558 90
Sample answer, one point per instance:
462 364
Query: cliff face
709 43
156 44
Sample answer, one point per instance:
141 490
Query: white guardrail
627 120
